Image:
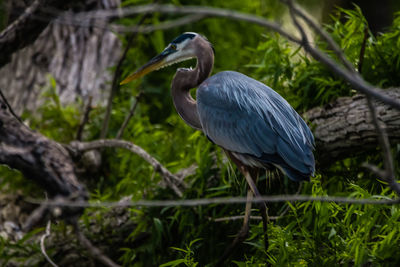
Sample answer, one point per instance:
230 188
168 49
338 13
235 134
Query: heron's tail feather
277 161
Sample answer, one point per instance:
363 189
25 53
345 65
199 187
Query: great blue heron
255 126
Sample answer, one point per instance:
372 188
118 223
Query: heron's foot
240 238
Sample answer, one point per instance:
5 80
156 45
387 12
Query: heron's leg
262 206
242 234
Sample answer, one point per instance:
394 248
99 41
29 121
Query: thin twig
383 140
283 213
83 17
351 77
170 179
235 218
129 115
9 107
42 246
94 251
213 201
362 50
163 26
329 40
35 217
241 217
389 173
85 119
117 75
21 19
304 38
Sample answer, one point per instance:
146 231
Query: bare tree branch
171 180
129 116
9 33
42 246
9 106
331 43
218 201
163 26
389 174
85 119
84 17
95 252
362 50
351 77
241 217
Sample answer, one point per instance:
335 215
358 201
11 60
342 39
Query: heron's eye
173 46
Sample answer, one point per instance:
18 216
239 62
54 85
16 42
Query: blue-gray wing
247 117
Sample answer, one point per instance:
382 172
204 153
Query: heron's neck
186 79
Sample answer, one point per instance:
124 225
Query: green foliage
309 233
187 259
57 122
21 252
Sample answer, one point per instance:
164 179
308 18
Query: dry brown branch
129 115
331 43
351 77
85 119
7 35
83 18
259 218
218 201
37 216
94 252
42 245
241 217
4 99
163 26
362 50
389 173
170 179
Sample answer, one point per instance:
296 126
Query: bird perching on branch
255 126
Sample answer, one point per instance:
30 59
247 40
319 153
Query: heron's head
181 49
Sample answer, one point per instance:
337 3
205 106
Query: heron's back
254 122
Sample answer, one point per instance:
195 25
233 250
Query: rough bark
77 57
38 158
26 28
344 127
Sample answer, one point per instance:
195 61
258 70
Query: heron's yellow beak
154 64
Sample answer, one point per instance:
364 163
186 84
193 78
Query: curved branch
351 77
329 40
84 17
163 26
171 179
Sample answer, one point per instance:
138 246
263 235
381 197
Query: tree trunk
78 57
